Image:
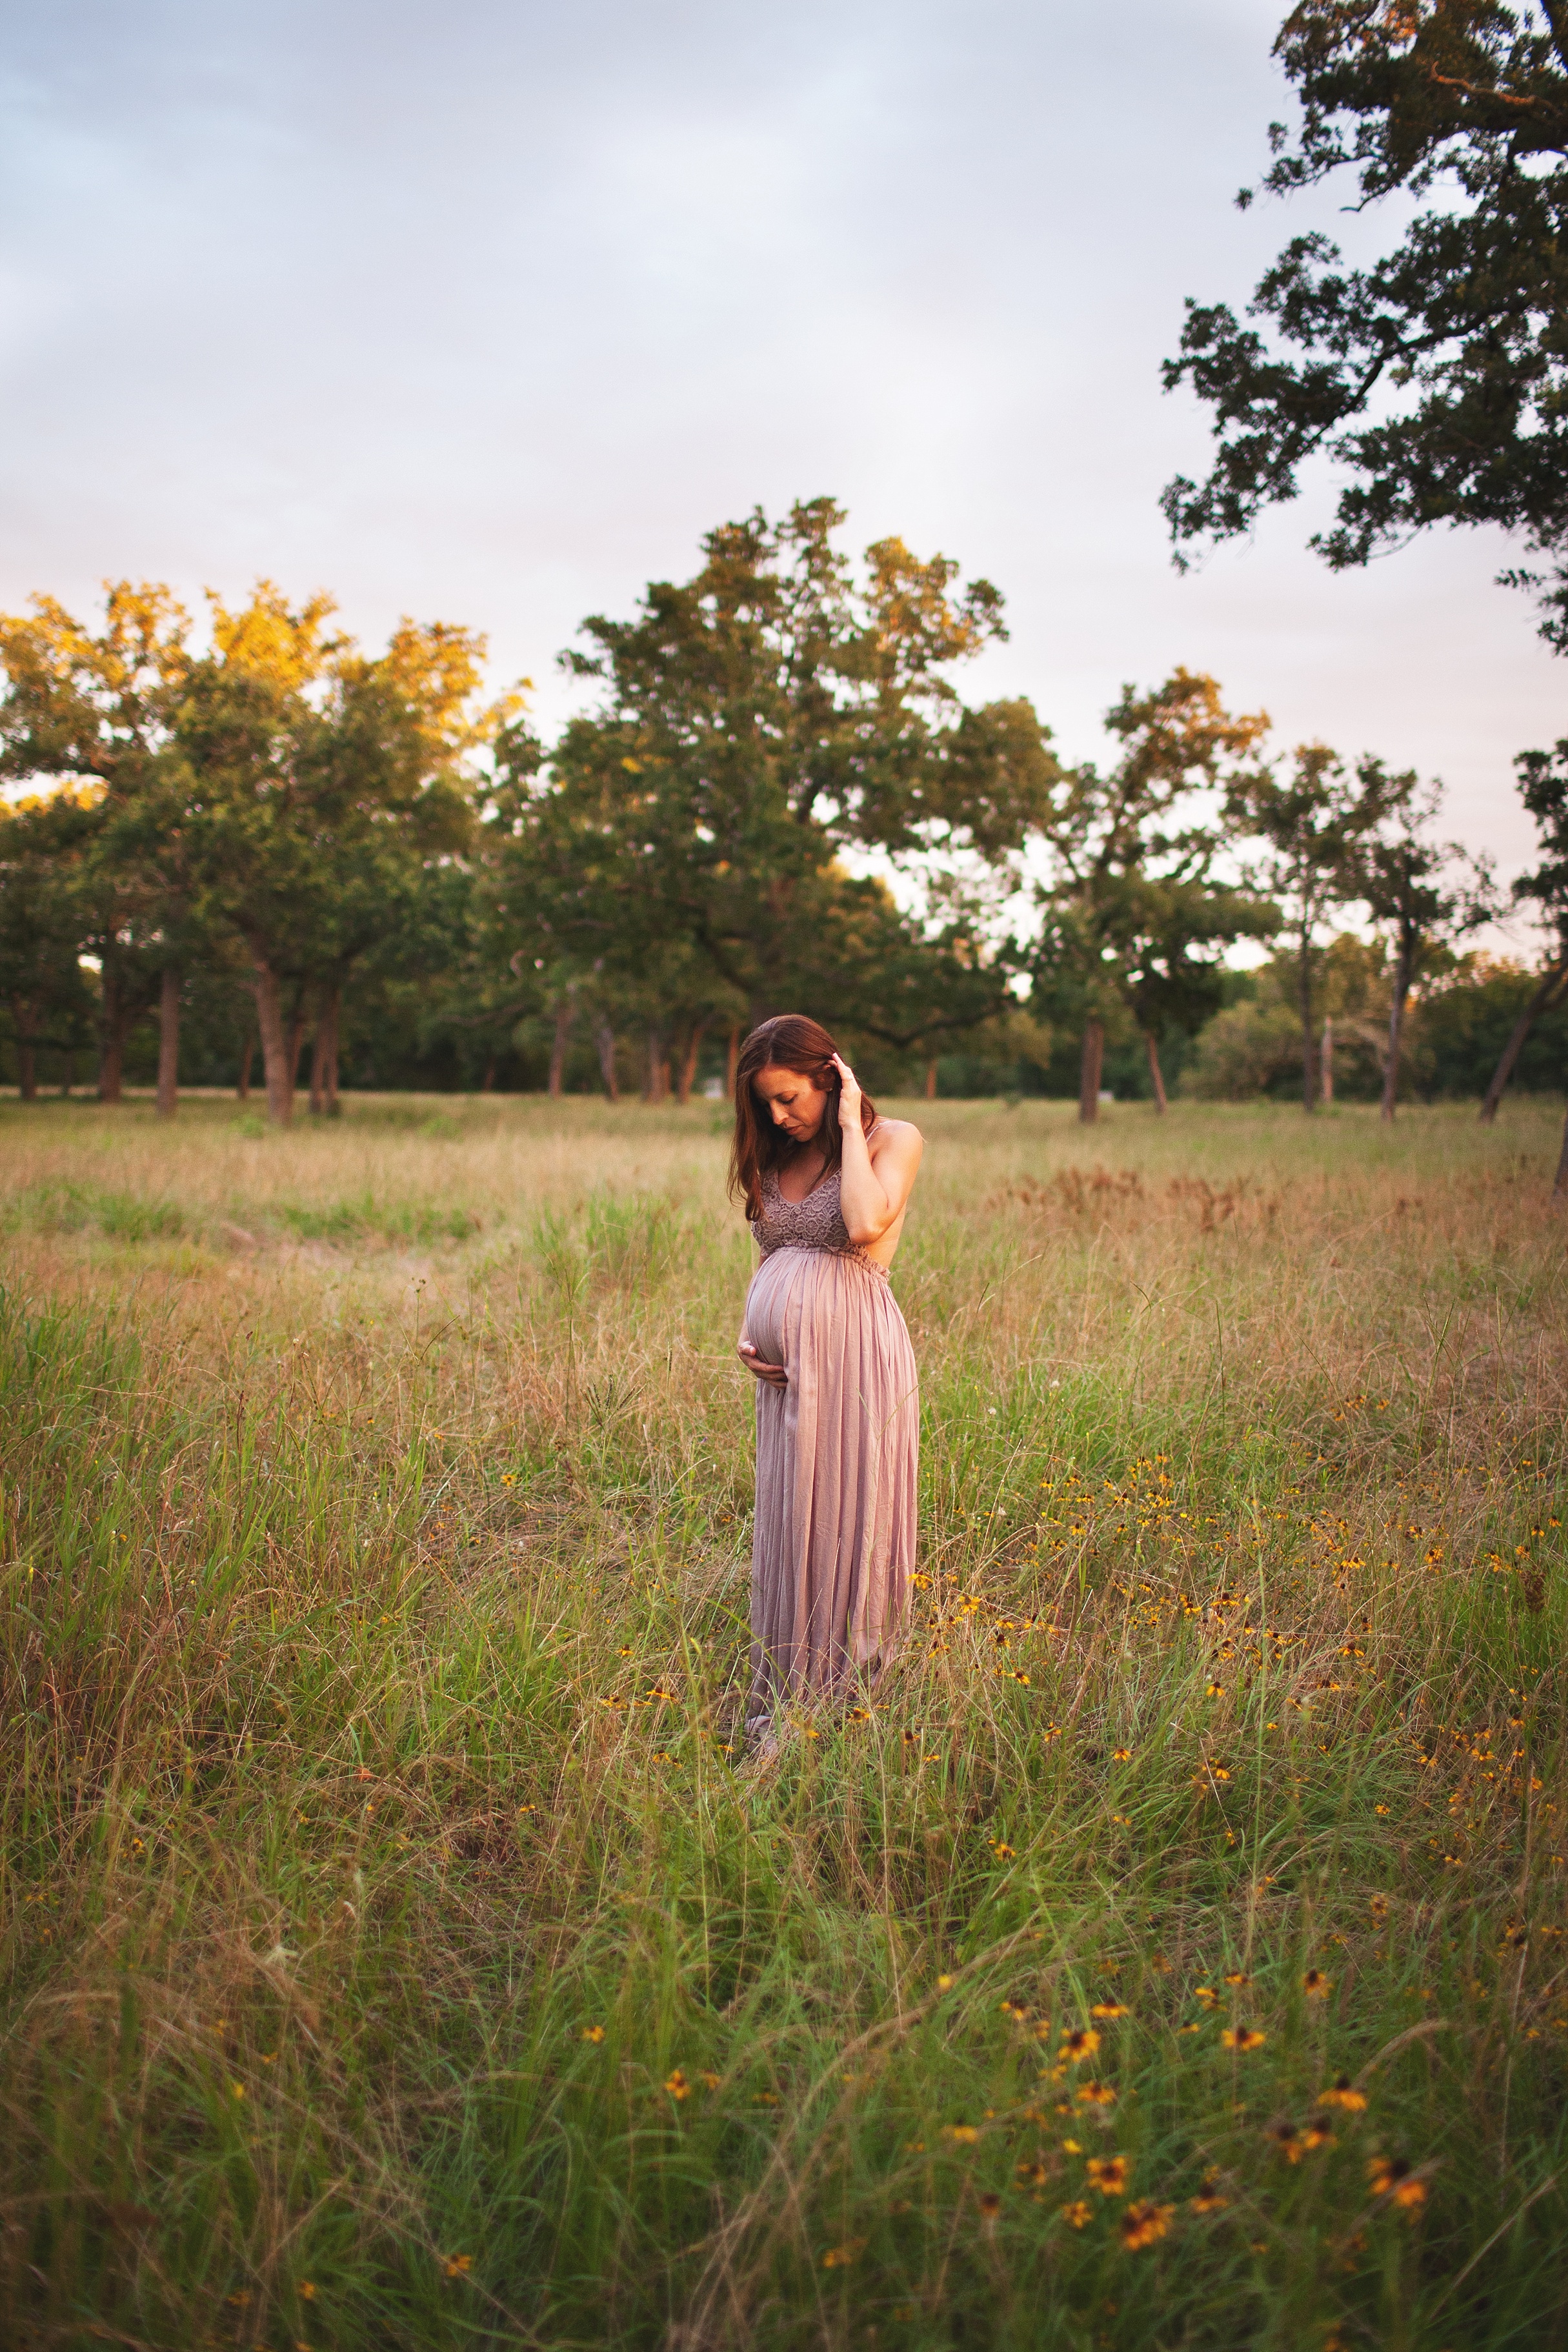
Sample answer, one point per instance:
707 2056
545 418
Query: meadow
1168 1953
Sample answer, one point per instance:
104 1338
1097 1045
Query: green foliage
1543 788
43 847
1315 832
276 802
1134 922
280 837
1254 1047
678 853
1464 316
1464 1021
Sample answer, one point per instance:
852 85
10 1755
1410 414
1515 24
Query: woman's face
789 1099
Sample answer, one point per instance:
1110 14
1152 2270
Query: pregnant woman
825 1184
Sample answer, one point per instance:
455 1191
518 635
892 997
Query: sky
486 312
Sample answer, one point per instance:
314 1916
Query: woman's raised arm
874 1188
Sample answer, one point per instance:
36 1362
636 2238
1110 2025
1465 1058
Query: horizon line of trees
777 797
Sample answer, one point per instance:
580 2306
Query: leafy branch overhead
1435 377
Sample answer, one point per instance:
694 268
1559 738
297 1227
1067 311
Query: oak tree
93 708
1133 921
44 843
1311 831
681 851
1425 894
1436 376
322 780
1543 787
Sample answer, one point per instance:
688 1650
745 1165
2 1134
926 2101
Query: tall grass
398 1955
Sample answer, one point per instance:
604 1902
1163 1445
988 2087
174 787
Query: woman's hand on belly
775 1374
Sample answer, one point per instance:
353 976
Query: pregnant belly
768 1317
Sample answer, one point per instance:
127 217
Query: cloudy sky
486 311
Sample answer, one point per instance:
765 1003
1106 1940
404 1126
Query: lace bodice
816 1223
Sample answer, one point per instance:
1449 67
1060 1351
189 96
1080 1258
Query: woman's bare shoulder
901 1132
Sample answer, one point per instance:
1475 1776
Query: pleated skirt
837 1460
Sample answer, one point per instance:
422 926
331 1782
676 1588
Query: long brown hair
791 1041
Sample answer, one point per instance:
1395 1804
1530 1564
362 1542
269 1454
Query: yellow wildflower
1143 2222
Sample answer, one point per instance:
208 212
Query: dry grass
396 1957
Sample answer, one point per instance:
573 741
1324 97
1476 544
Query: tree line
776 795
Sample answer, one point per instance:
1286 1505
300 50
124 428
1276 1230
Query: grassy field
1171 1954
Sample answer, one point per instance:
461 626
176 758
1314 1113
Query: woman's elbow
866 1231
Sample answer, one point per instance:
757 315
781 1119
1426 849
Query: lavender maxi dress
837 1454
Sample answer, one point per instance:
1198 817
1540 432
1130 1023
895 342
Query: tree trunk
565 1021
687 1079
320 1044
295 1040
658 1087
69 1079
1560 1189
930 1079
1309 1058
113 1025
488 1082
605 1039
242 1091
274 1045
1402 974
110 1068
334 1109
731 1062
324 1054
169 1041
1090 1067
1157 1076
1545 996
323 1051
1328 1062
27 1069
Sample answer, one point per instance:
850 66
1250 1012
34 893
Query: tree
1543 787
1439 377
1254 1043
89 707
913 983
1401 882
1133 921
43 842
321 781
446 962
392 794
1311 831
590 912
1175 968
679 855
1467 1017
